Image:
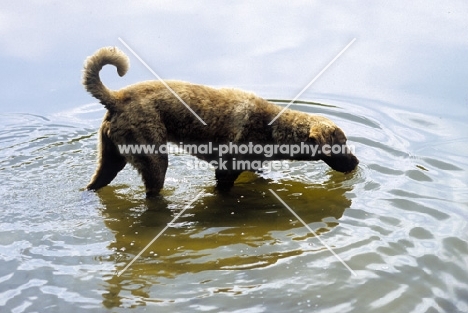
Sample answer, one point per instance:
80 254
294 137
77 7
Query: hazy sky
410 54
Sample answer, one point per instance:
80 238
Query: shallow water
399 222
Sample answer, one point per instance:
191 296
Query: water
399 222
395 222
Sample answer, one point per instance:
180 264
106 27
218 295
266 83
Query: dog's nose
353 165
344 163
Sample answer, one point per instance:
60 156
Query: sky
406 54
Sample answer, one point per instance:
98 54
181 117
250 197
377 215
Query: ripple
399 221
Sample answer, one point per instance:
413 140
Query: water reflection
245 229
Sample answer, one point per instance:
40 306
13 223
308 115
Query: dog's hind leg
110 161
153 171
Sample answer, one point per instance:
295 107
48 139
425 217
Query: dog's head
331 145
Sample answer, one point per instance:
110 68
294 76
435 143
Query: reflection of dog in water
149 113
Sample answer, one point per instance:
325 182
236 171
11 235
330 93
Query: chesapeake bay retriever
150 113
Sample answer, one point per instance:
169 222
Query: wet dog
150 113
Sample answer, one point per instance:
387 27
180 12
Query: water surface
398 222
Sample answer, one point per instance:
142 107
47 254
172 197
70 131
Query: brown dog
149 113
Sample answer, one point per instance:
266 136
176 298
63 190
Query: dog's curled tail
94 64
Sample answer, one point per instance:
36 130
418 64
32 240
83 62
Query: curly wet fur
148 113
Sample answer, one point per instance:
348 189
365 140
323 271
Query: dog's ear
322 134
338 137
337 154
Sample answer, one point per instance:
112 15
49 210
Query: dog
153 112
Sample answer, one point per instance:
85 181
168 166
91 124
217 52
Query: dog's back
229 112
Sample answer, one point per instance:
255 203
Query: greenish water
399 222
